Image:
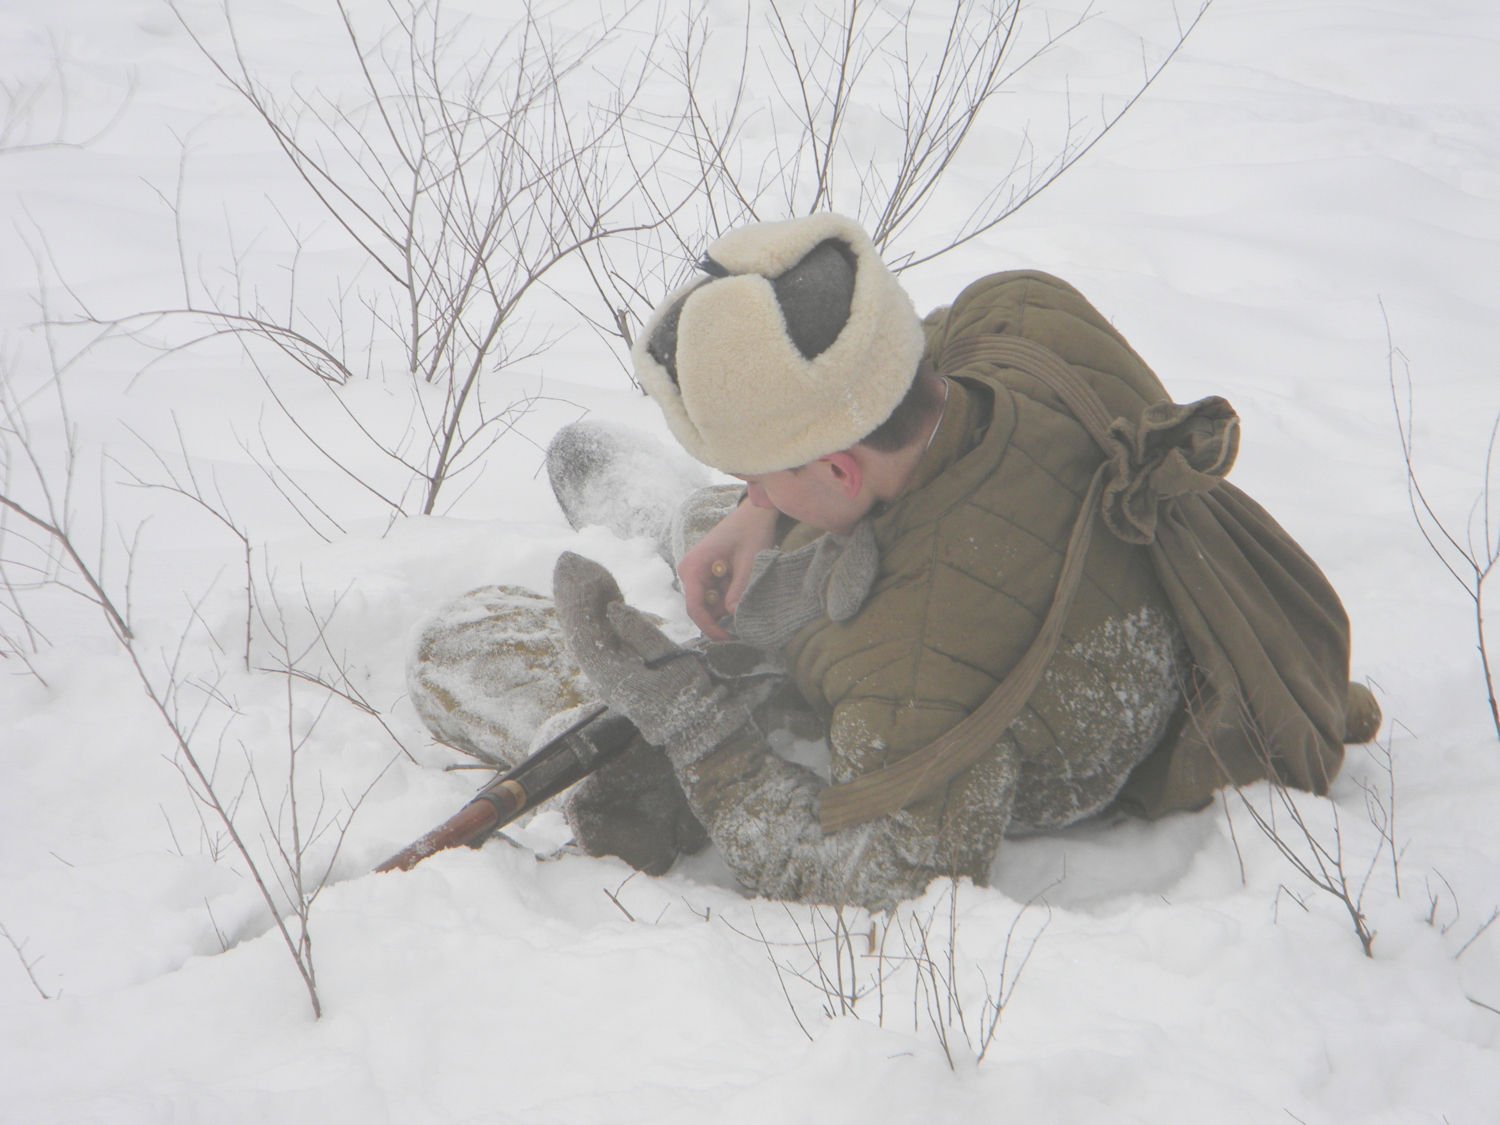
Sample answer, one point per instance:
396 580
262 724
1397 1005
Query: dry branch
1470 562
860 114
826 955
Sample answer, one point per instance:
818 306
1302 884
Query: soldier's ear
846 472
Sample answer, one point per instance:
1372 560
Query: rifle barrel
565 761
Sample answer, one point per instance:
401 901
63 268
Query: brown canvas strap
1042 363
1126 488
919 774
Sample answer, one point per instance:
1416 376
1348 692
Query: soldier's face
818 494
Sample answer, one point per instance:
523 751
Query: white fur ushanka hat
798 344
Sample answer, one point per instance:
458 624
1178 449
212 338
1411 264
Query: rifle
566 760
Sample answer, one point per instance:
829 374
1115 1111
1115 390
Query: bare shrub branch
1472 559
291 854
465 175
36 113
48 550
1380 805
862 114
182 480
1314 852
28 966
1486 924
824 953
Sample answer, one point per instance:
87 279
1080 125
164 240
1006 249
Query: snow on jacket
970 554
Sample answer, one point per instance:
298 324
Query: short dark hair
905 423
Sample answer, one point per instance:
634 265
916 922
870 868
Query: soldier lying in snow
916 552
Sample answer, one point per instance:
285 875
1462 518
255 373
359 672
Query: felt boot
622 479
634 808
1362 723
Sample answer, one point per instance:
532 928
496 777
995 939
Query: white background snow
1298 165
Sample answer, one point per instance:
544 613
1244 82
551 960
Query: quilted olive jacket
970 557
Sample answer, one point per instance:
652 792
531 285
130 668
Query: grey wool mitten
641 673
831 576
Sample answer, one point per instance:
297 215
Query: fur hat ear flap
661 345
798 344
815 296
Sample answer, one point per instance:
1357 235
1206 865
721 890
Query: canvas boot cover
487 668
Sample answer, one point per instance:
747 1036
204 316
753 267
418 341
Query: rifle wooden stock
565 761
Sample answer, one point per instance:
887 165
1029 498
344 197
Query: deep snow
1299 167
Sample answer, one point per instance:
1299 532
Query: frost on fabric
1103 705
762 812
562 722
489 668
812 754
766 827
622 479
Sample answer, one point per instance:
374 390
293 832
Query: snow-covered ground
1303 174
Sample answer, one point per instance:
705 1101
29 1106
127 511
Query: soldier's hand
664 690
716 571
